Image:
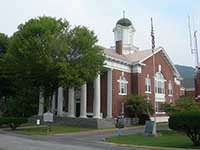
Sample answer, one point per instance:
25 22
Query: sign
149 127
38 122
120 121
48 117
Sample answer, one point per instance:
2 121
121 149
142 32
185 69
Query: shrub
137 105
182 104
187 122
13 122
143 118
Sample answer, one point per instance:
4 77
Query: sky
169 17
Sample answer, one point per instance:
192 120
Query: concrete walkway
92 140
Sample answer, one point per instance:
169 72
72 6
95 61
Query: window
160 108
170 88
122 85
159 83
147 84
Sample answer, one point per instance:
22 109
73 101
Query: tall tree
5 84
3 44
84 59
46 53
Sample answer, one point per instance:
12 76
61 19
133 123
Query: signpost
120 124
48 119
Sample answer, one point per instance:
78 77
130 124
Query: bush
182 104
187 122
137 105
13 122
143 118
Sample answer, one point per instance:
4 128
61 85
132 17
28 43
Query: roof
132 58
124 22
138 57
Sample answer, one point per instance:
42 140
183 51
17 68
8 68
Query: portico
76 102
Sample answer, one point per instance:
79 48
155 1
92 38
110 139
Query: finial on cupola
123 13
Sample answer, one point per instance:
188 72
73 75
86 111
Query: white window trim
161 82
122 80
159 112
147 80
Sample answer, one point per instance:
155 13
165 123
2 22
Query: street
73 141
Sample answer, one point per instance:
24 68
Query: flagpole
153 49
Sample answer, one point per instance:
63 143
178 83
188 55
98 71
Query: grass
165 138
56 129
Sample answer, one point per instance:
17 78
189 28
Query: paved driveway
75 141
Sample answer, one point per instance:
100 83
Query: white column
60 102
109 93
53 106
96 103
71 112
83 113
41 104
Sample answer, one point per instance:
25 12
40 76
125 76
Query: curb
148 147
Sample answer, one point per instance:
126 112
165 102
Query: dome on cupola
124 22
123 34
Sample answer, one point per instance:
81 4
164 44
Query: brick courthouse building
128 70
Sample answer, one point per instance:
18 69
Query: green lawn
53 130
164 139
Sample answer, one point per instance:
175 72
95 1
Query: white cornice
109 63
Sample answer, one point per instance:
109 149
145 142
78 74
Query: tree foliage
46 53
182 104
185 117
4 40
138 105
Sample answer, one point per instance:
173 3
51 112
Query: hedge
187 122
143 118
13 122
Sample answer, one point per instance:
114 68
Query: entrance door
78 107
77 102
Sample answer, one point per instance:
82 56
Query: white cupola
124 32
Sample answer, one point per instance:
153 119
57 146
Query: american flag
152 36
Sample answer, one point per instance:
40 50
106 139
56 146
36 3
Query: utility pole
195 49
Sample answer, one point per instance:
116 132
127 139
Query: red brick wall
90 97
119 99
165 70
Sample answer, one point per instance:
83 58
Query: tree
185 117
4 40
182 104
45 53
84 59
6 87
137 105
36 51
